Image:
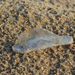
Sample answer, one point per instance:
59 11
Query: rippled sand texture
57 16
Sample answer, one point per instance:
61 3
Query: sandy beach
18 16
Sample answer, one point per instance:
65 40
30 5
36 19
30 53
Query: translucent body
39 38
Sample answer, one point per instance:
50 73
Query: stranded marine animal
39 38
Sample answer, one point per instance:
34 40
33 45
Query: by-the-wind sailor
39 38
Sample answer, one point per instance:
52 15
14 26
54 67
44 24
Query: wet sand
20 16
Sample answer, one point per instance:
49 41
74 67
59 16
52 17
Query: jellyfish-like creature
39 38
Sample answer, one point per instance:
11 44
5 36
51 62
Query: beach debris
39 38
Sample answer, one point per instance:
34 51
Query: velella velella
39 38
